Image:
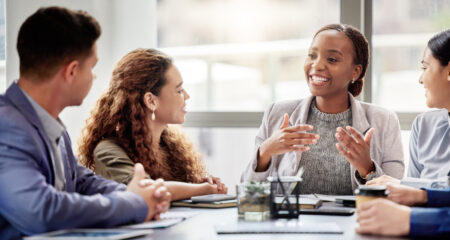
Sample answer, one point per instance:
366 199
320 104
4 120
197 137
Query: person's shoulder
432 118
378 111
11 118
287 106
109 146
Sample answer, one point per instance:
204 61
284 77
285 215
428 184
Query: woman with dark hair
130 124
430 133
358 141
430 141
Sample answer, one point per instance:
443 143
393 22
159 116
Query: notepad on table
208 201
279 226
304 202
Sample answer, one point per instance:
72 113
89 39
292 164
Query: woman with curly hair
130 124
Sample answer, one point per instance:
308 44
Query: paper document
167 219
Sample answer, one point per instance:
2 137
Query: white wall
126 25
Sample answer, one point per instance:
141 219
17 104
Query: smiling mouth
318 80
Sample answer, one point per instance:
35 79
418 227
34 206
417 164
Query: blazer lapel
300 114
359 118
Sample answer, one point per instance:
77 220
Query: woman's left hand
356 148
215 180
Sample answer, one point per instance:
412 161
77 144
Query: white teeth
318 79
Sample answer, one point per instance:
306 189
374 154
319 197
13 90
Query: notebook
91 234
305 202
218 204
278 226
166 220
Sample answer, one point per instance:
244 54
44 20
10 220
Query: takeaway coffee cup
368 193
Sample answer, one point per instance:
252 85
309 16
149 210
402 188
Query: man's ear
150 101
70 71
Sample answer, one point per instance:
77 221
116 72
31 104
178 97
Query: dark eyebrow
179 85
330 50
335 51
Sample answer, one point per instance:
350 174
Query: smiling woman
341 159
130 124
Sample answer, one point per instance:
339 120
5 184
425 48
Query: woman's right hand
286 139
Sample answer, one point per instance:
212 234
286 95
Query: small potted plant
254 200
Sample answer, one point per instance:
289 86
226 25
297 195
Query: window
241 55
236 57
401 30
2 47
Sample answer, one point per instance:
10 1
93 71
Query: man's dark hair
52 37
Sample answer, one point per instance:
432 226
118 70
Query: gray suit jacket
385 147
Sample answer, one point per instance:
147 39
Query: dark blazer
29 203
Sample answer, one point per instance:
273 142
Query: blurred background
238 56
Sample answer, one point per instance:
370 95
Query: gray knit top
326 170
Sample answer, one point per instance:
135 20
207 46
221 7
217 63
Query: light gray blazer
385 148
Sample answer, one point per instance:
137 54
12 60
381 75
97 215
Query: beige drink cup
368 193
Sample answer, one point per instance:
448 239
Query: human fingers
368 136
364 213
300 141
383 180
157 216
346 139
163 206
365 206
298 148
145 182
357 135
221 187
301 135
285 121
138 175
346 153
300 127
216 180
376 181
224 189
208 179
367 226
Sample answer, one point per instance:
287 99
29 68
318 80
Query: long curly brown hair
121 114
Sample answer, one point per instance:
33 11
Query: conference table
202 226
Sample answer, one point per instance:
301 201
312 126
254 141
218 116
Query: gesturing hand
285 139
355 148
